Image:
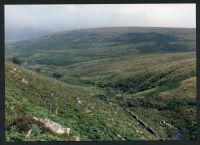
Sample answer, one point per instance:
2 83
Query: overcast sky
68 17
29 21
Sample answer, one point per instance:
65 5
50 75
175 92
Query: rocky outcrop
165 124
53 126
24 81
24 125
76 138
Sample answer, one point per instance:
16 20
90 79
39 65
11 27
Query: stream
179 135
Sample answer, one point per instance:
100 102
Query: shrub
16 60
57 75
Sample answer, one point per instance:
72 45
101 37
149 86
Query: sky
70 17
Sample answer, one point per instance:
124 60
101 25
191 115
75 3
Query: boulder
53 126
76 138
28 133
24 81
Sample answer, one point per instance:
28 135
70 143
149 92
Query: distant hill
89 44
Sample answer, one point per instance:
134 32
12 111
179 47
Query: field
120 83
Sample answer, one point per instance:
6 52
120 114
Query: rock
79 102
119 136
53 126
129 124
139 131
67 130
165 124
87 111
14 69
76 138
118 95
24 81
28 133
56 111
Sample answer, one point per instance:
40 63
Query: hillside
122 83
88 118
71 47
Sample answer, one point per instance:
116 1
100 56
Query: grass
155 77
99 123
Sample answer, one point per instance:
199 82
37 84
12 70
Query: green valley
115 83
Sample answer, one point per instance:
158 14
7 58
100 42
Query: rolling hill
146 76
88 118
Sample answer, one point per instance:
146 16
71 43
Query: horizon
66 31
22 21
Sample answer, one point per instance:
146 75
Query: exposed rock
76 138
91 114
28 133
87 111
77 98
24 81
53 126
165 124
119 95
129 124
79 102
139 131
56 111
119 136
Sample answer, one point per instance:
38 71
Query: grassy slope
91 120
108 63
167 92
151 84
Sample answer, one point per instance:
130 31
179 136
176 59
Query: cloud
68 17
